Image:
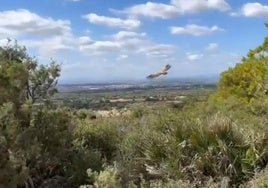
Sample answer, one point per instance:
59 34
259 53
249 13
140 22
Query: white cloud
122 57
194 56
253 10
195 30
50 46
122 41
127 34
101 47
154 10
212 46
160 50
22 22
47 35
113 22
197 6
176 8
127 42
85 40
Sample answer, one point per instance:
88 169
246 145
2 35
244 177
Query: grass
168 146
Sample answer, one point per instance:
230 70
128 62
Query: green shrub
98 135
107 178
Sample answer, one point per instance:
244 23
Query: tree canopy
22 78
248 79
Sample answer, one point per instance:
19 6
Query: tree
21 78
42 82
23 81
36 142
259 51
245 81
249 78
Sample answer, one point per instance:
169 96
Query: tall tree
28 136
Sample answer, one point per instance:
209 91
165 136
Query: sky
126 40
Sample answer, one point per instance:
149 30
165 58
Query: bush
98 135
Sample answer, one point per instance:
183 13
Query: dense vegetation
219 141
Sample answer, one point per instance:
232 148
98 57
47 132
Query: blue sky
118 40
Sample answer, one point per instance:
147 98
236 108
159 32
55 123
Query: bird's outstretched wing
151 76
167 67
162 72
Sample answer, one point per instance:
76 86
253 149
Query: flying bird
162 72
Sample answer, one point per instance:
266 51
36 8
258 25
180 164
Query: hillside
214 138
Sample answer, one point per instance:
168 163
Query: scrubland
217 140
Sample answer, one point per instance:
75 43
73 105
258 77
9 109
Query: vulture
164 71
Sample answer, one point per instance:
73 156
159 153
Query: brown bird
162 72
